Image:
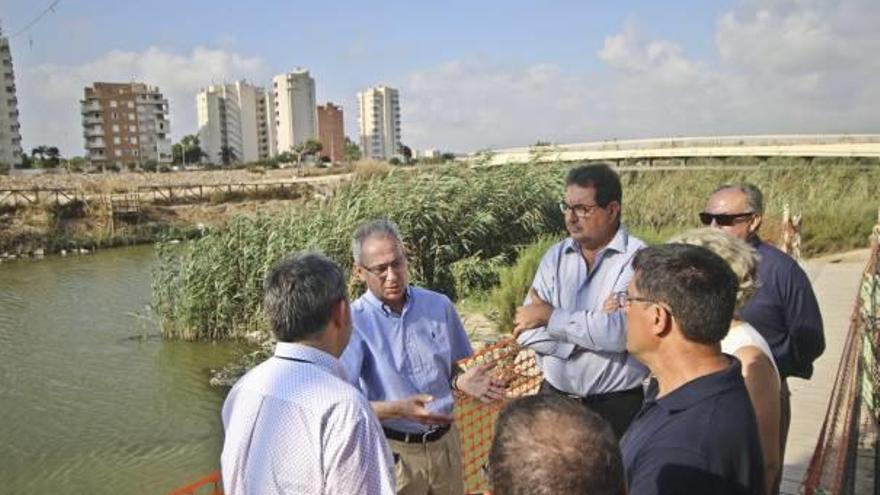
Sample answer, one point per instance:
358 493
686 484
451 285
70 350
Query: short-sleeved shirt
392 356
294 425
699 438
785 312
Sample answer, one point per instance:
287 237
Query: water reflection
91 400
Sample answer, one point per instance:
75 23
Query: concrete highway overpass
683 148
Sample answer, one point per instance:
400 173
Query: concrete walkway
835 281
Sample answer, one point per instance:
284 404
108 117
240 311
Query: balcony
92 120
95 144
91 106
94 132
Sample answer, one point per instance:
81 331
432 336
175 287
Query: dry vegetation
126 181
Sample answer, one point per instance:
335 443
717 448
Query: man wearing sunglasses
581 348
784 309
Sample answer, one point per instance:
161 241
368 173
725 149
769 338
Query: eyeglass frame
723 219
587 209
381 271
623 300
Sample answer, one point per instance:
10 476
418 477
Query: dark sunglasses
724 220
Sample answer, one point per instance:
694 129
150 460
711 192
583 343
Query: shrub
515 280
475 274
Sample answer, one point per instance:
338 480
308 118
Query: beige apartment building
236 122
125 124
10 130
331 132
295 109
379 123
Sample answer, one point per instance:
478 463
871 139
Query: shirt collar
755 241
292 350
618 243
699 389
377 303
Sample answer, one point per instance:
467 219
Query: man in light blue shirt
581 346
402 355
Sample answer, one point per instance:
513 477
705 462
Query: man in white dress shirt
293 424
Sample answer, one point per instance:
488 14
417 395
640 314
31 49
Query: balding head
546 444
736 209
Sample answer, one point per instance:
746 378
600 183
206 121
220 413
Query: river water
92 401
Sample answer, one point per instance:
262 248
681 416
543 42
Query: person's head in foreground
681 299
306 301
549 445
742 258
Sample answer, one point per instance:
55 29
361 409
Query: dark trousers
618 408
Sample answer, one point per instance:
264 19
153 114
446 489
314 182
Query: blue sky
473 74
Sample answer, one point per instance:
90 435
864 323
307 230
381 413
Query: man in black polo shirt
696 432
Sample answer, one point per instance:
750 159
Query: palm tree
227 155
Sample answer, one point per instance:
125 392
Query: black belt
424 437
592 398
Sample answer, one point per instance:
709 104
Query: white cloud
49 94
470 105
782 66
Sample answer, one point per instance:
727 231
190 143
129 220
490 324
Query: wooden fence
167 194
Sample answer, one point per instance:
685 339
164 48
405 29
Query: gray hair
380 227
546 444
754 198
299 294
742 258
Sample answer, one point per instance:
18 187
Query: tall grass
212 290
515 280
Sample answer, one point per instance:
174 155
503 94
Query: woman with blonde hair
743 341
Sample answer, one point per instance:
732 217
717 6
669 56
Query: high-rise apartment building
379 122
125 124
331 132
10 135
236 123
295 113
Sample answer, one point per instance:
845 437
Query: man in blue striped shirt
581 348
402 355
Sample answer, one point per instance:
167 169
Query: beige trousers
432 468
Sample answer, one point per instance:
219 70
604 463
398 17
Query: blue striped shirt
393 356
582 350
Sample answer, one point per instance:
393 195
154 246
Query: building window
115 127
112 103
130 116
133 140
130 104
114 116
132 128
117 152
116 140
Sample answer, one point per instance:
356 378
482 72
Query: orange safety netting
209 485
476 421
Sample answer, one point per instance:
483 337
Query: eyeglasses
624 300
723 219
381 271
580 211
